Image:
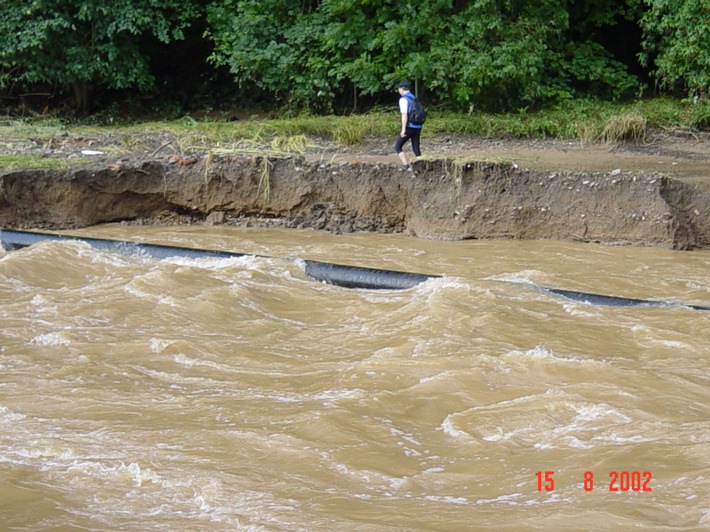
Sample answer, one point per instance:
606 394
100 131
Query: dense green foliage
678 43
326 56
485 54
77 43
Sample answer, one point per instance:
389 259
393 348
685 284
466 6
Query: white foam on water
47 339
173 377
193 497
525 399
106 257
595 412
420 293
169 301
39 301
697 286
326 397
219 263
114 472
8 416
397 483
335 394
444 375
157 345
622 440
408 437
544 421
674 344
509 499
447 499
543 353
444 282
450 429
91 467
705 517
136 292
579 309
500 435
539 352
233 269
589 419
522 277
222 269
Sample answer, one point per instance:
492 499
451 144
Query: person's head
402 87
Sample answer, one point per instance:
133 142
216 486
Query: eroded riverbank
444 199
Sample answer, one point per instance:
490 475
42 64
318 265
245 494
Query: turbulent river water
220 394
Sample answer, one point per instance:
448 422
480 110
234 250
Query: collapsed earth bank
441 199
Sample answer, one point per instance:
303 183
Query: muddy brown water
203 394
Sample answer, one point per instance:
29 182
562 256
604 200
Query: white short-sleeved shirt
403 105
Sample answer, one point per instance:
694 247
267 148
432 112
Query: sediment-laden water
203 394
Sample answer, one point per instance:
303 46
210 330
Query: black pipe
13 240
357 277
335 274
614 301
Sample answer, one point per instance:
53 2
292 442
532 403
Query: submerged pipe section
614 301
335 274
358 277
13 240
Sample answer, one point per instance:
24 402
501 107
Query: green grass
15 129
581 120
22 162
584 120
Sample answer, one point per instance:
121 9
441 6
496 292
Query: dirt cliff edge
441 199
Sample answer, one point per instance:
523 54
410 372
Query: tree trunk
81 95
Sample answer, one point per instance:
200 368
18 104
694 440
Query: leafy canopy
677 43
69 42
489 54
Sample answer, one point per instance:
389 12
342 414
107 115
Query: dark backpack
416 113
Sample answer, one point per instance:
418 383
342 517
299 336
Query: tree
485 54
81 43
497 55
314 54
267 45
676 44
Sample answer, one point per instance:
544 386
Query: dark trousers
410 133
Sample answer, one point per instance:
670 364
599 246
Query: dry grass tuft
586 133
290 143
622 128
349 134
265 179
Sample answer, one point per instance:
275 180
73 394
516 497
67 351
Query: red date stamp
618 481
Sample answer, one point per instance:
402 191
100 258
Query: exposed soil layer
654 194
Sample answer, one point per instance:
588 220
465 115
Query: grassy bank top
583 121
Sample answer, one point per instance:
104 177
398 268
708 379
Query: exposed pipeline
335 274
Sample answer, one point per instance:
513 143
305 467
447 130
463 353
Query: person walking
409 130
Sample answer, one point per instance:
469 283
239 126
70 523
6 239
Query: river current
238 394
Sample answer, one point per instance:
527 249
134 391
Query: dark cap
402 85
